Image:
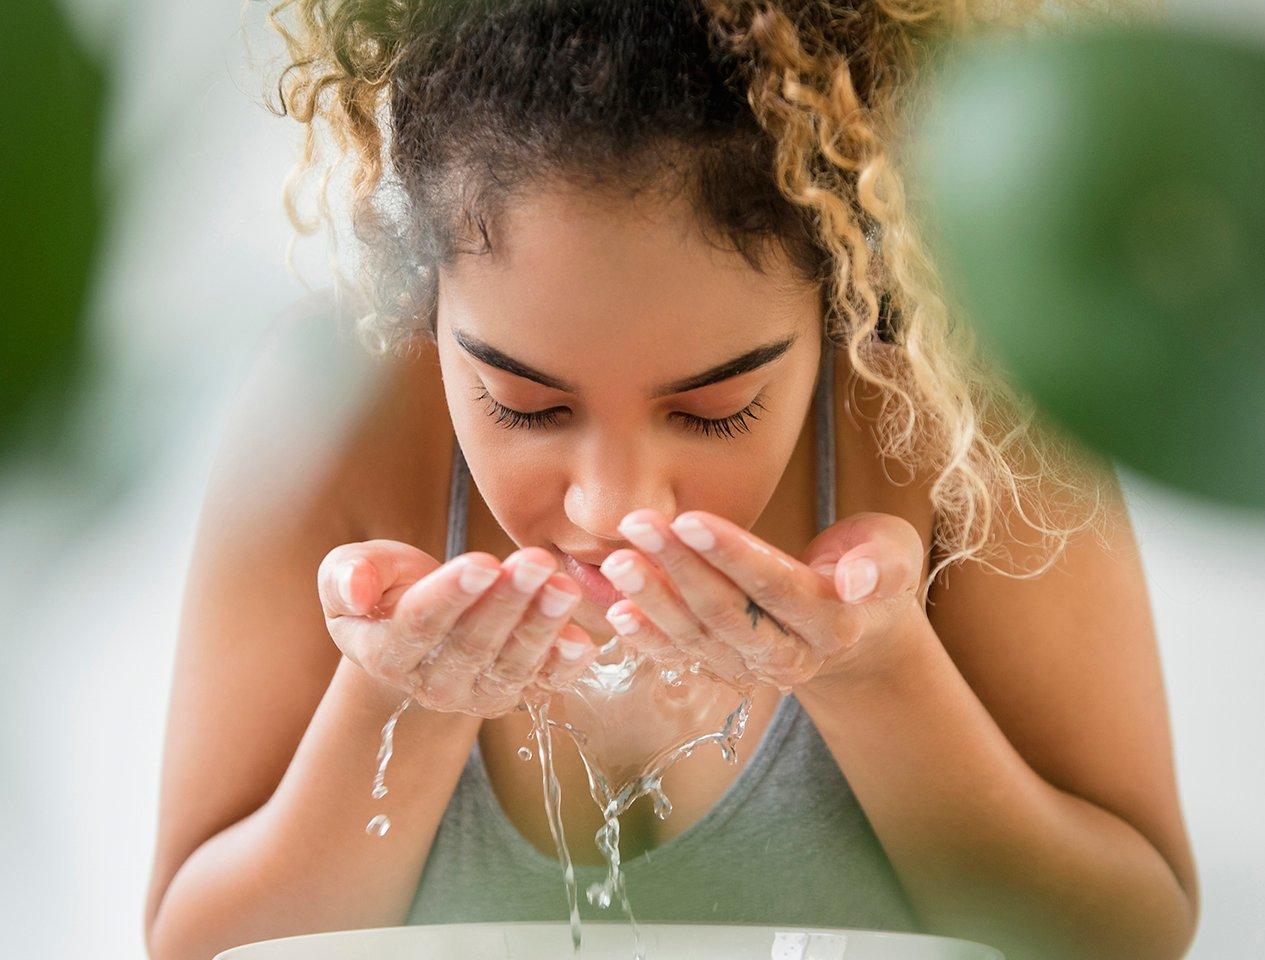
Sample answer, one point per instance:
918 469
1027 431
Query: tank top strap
458 503
826 482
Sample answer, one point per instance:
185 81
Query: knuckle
726 554
774 591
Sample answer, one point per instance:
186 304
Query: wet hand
473 635
704 590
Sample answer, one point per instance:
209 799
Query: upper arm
1067 665
253 655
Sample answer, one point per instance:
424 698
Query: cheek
737 485
523 493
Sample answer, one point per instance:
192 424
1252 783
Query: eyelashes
516 419
724 426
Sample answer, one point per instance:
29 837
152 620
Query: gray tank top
787 843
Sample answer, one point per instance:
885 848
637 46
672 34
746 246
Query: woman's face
582 361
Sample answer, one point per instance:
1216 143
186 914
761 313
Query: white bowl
611 941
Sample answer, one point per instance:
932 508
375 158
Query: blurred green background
1098 201
52 203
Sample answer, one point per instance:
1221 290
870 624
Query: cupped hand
473 635
702 590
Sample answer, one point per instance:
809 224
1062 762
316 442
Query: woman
614 246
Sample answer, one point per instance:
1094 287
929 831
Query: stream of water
630 721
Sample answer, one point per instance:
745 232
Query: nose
611 479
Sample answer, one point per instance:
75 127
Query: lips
596 587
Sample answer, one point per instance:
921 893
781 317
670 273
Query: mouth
596 588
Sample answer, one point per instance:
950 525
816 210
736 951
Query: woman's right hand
472 635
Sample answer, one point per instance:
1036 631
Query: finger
798 598
639 631
391 649
569 657
429 610
476 639
642 582
354 576
891 542
530 642
728 613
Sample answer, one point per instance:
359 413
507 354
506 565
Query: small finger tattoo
755 612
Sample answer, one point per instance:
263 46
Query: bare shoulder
1067 664
303 465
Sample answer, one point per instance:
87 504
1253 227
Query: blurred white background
91 577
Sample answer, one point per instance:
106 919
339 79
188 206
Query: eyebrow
751 360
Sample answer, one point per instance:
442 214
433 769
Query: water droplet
662 805
599 895
524 753
379 792
378 826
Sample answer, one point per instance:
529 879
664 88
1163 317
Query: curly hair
782 121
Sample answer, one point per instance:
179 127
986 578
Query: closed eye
707 426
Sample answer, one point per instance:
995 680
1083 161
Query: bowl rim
402 930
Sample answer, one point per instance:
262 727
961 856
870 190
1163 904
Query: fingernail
343 579
859 578
624 574
528 576
693 533
555 602
475 577
625 624
572 649
643 534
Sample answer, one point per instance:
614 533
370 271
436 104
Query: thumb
868 556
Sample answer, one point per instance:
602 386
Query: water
630 722
378 826
620 686
381 823
542 730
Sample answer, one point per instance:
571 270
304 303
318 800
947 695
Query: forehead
630 276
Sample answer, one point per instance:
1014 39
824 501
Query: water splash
614 788
380 824
618 678
543 733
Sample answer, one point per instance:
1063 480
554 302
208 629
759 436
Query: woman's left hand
704 590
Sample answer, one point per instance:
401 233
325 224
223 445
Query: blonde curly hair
785 119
